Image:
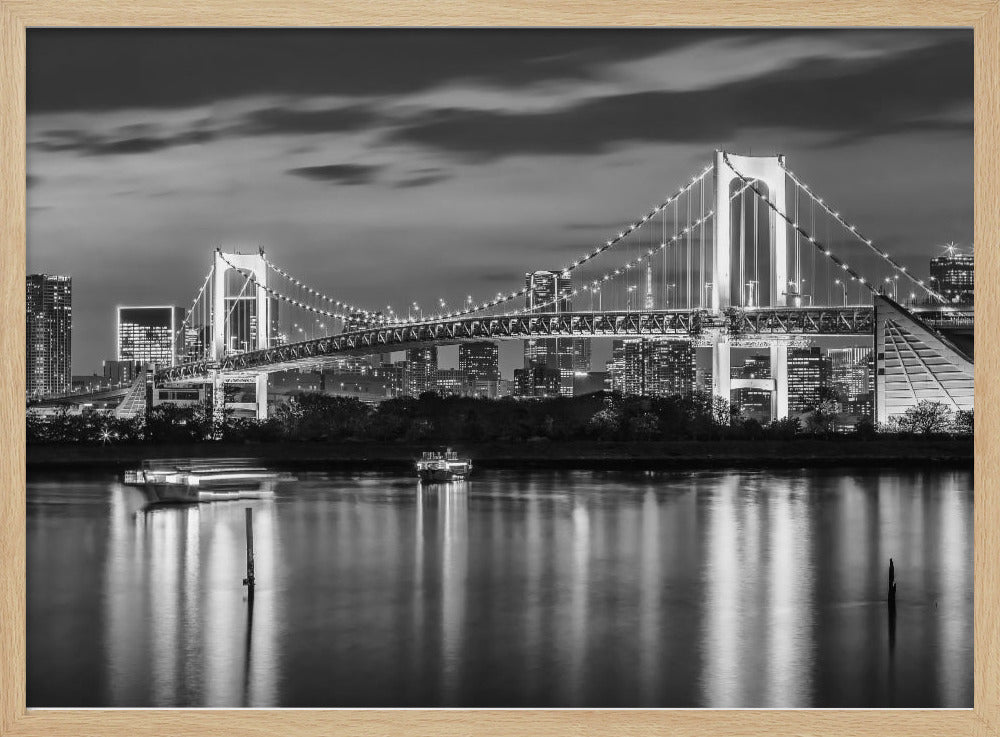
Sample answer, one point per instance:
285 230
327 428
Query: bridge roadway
793 321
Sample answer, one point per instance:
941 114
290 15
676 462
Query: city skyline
406 176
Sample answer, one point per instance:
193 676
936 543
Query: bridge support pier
261 395
779 373
721 371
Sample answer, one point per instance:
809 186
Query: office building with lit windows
807 372
670 368
421 365
150 334
537 380
549 291
480 361
49 334
953 276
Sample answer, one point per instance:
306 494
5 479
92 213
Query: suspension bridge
743 252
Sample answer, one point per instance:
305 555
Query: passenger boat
166 481
442 466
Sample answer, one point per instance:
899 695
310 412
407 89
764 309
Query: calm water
731 588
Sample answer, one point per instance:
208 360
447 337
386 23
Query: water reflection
540 589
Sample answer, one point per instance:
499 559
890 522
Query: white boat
442 466
190 481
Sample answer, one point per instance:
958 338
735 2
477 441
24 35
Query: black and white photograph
510 368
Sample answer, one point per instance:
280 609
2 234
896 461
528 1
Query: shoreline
584 455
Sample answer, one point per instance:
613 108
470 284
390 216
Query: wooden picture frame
18 15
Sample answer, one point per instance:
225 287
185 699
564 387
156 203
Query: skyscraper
480 360
49 333
670 368
150 334
537 380
549 291
421 364
806 374
953 276
635 357
616 367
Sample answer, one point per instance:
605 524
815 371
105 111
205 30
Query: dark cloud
285 120
350 174
161 68
89 144
849 98
422 178
140 138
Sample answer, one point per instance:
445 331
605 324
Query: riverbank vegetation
310 417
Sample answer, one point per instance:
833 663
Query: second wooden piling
248 581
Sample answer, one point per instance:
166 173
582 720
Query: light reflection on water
540 589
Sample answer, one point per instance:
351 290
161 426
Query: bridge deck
618 324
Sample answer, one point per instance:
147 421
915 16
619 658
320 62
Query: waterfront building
616 367
421 363
635 357
807 372
480 361
451 383
150 334
953 275
670 368
49 334
550 291
850 374
537 380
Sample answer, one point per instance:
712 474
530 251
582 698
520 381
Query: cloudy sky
399 165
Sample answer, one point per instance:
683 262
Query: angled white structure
916 363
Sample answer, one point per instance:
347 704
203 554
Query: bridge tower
241 321
768 171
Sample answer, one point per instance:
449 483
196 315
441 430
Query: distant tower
49 328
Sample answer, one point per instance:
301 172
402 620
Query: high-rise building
537 380
850 372
549 291
670 368
49 333
581 355
807 372
421 363
451 383
635 355
616 367
480 361
953 276
150 334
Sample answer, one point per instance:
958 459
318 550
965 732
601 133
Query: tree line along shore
598 430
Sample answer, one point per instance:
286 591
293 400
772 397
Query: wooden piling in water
248 581
892 588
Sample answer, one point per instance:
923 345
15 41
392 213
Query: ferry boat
166 481
442 466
